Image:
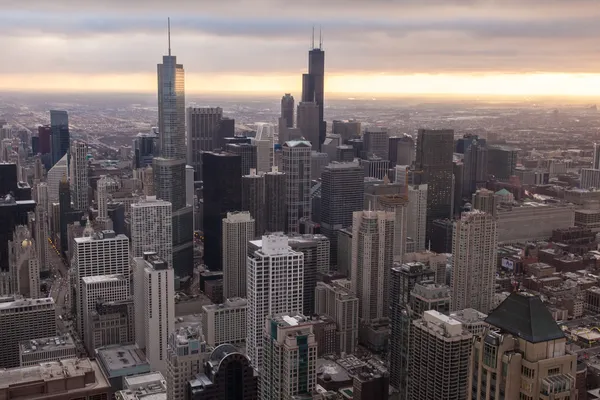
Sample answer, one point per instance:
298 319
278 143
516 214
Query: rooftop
16 302
103 278
118 359
46 344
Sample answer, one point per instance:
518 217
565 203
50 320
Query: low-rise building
117 362
35 351
150 386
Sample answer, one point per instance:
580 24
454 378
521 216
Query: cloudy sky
372 46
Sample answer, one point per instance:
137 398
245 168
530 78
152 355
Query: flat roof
46 344
17 303
119 358
103 278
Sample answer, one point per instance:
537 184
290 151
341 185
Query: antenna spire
320 38
313 38
169 33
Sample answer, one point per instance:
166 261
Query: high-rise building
55 175
308 123
186 355
313 84
542 370
589 178
502 162
417 215
486 201
346 129
275 285
222 194
290 357
264 142
296 165
440 353
247 153
342 192
318 162
226 322
12 214
79 175
154 307
152 229
23 319
105 186
238 230
275 201
110 323
475 164
24 266
67 214
41 233
375 167
375 142
203 134
401 150
596 159
45 139
287 110
145 149
474 247
227 375
59 124
391 197
102 253
253 200
434 159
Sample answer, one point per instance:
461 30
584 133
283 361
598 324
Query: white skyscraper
106 185
55 175
275 284
102 253
79 175
290 358
238 230
417 215
474 246
154 307
372 260
152 228
297 167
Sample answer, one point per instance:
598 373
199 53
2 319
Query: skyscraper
474 247
309 123
264 146
105 186
342 193
152 229
375 142
596 160
145 149
402 150
290 357
222 194
79 175
275 286
55 175
41 225
24 266
296 165
434 159
502 161
313 84
203 134
417 215
238 230
287 110
247 153
169 168
253 200
485 200
66 213
59 124
186 354
475 164
275 201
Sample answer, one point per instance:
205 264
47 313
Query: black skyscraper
67 214
434 159
222 194
313 84
287 110
8 178
59 123
475 164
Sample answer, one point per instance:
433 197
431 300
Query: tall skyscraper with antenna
169 167
313 83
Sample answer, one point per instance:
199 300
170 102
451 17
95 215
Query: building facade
238 230
296 166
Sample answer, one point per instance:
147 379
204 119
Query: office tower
502 162
440 351
474 247
486 201
290 357
316 249
375 142
287 110
403 278
417 215
253 200
23 319
55 175
79 175
116 215
372 260
110 323
23 265
434 159
398 205
375 167
238 230
275 286
151 228
308 123
104 186
247 153
264 142
275 201
189 185
596 157
102 253
59 124
296 166
12 214
335 300
475 164
402 150
145 148
225 323
154 307
522 325
222 194
41 233
346 129
45 139
313 84
342 192
458 182
227 375
203 134
589 178
318 161
186 354
8 178
67 215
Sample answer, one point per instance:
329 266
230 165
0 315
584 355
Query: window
554 371
489 355
527 372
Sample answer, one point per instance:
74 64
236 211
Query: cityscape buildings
59 124
238 230
203 126
79 175
313 84
296 166
276 201
151 228
287 110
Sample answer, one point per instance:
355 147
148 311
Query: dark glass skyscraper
59 124
145 148
313 85
434 160
287 110
222 194
475 164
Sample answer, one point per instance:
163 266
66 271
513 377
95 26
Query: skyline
454 47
